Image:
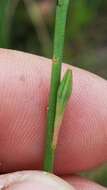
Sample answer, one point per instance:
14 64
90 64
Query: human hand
24 91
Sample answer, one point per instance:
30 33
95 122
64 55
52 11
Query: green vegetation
59 93
4 25
28 26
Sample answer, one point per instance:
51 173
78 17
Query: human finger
83 184
24 92
31 180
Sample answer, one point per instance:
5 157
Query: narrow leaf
64 93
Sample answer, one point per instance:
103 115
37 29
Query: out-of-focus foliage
99 175
32 30
4 27
28 25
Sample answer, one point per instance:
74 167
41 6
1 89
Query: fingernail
33 180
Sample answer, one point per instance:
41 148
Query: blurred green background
28 25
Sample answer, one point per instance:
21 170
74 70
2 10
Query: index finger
24 91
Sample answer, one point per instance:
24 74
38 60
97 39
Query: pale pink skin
24 90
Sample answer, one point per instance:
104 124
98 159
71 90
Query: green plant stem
60 23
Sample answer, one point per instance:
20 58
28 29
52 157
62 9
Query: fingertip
33 180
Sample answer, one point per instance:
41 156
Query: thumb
32 180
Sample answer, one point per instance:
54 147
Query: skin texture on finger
83 184
32 180
24 91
